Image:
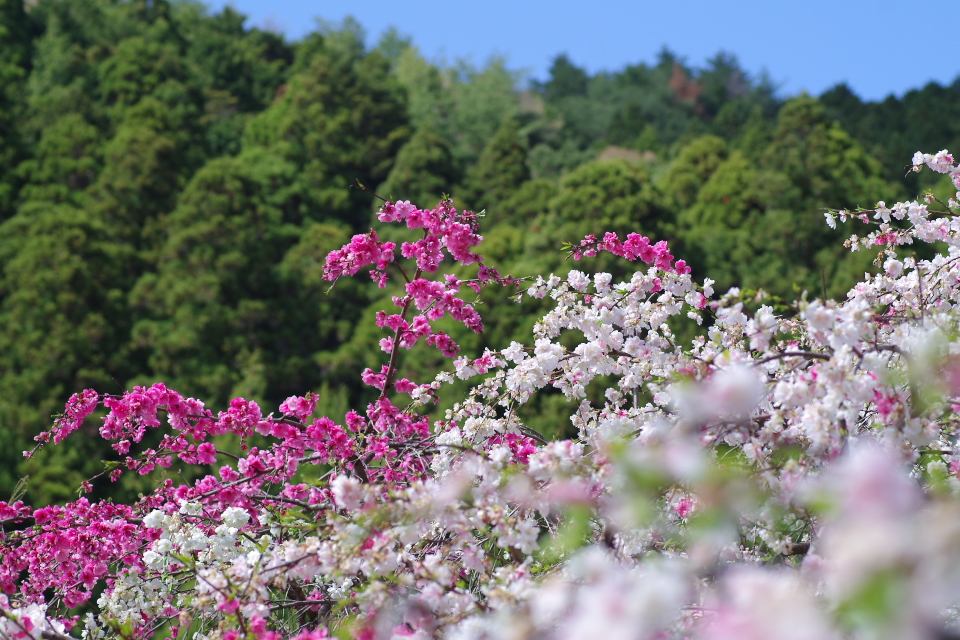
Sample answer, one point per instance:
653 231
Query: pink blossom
206 453
376 380
404 386
636 247
79 406
395 212
425 292
684 507
427 252
300 407
444 343
363 249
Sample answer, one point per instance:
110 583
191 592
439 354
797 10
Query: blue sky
878 47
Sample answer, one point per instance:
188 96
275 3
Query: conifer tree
340 121
14 61
499 172
424 170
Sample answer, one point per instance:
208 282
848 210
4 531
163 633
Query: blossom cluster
447 232
787 472
636 247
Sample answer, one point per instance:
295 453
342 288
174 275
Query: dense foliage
170 181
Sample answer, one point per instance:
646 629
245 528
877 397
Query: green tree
249 65
692 167
761 224
566 79
63 323
893 129
606 195
340 121
481 100
223 314
600 196
423 171
66 160
14 60
240 71
501 169
106 167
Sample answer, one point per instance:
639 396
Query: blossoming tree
791 473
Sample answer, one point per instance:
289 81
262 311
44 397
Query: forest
171 181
